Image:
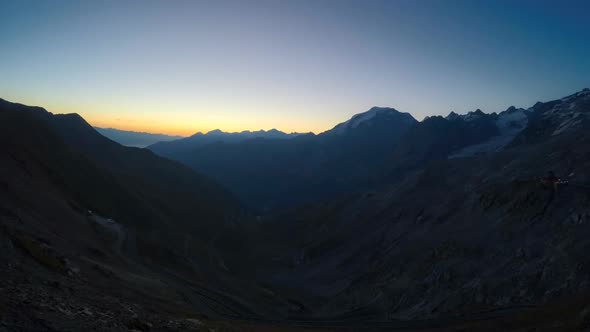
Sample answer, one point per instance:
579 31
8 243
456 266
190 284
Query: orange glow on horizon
151 128
176 127
185 132
185 120
186 123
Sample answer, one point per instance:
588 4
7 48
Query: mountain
109 227
477 237
160 141
437 138
365 152
184 145
269 173
368 135
553 118
509 124
134 138
463 231
219 135
376 118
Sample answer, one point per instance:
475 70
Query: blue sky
185 66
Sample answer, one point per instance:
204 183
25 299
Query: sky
179 67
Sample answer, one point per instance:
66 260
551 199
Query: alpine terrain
472 222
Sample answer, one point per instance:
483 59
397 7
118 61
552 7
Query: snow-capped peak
361 118
570 111
466 117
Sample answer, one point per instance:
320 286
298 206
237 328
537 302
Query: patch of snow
357 119
568 123
568 113
509 124
360 118
512 122
572 106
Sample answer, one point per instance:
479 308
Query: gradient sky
184 66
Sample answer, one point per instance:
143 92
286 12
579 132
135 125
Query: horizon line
97 124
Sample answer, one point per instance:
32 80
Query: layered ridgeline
185 145
473 232
456 228
270 172
134 138
112 227
357 155
141 139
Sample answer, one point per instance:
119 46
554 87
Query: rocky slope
446 241
359 154
457 236
93 229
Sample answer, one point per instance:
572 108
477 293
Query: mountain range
269 174
381 223
142 139
460 230
134 138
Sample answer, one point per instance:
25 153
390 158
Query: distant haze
134 138
178 67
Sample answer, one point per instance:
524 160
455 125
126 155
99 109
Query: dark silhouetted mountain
134 138
184 145
132 224
437 137
267 173
362 153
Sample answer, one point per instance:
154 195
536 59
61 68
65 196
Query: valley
384 223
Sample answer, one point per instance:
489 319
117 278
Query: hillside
460 233
459 236
113 227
